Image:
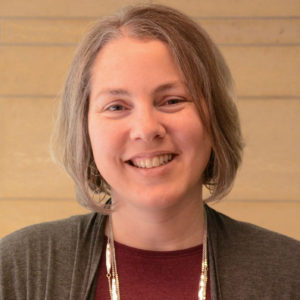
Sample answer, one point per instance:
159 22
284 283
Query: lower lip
154 171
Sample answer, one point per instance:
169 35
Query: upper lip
151 154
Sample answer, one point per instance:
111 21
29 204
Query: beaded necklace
112 273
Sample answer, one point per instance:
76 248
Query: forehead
132 57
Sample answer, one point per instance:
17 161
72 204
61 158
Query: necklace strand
112 273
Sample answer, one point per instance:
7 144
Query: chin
160 199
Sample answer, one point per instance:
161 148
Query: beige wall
261 42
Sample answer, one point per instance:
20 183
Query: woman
148 118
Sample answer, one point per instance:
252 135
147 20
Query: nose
147 125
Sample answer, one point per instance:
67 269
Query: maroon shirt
154 275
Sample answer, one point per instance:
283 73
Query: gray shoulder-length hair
208 79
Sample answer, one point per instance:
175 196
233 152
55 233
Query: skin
140 108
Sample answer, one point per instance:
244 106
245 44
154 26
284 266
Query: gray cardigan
59 260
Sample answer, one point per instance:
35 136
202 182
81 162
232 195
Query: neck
172 228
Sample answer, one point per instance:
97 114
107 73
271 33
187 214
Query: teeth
161 159
153 162
148 163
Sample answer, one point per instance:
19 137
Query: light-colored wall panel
264 71
270 171
253 31
258 71
235 8
271 166
45 31
280 217
223 31
192 7
265 61
26 168
16 214
33 70
58 8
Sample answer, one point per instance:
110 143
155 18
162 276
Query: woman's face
146 135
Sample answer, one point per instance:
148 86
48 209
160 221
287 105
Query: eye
174 101
115 107
172 104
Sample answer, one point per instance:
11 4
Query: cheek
192 133
103 153
106 143
196 142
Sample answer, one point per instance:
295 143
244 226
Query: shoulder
48 257
60 231
42 239
255 257
250 236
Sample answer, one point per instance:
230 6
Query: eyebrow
166 87
122 92
117 92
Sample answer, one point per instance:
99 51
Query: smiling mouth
153 162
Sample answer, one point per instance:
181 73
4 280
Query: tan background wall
261 42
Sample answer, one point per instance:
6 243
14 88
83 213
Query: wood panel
254 8
264 71
58 8
223 31
253 31
271 166
260 40
258 71
270 171
16 214
33 70
71 8
25 128
46 31
280 217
